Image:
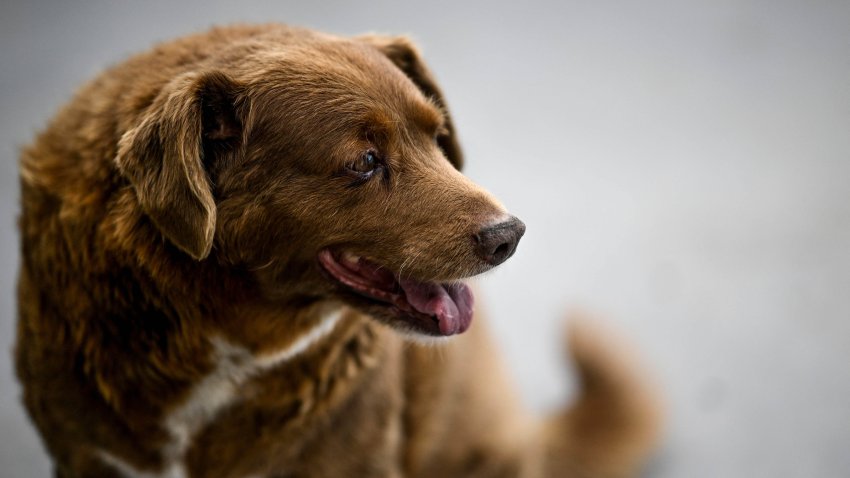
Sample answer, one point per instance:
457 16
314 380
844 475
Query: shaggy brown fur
173 217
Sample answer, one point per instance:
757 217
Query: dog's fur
175 321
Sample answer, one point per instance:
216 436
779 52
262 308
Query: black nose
495 244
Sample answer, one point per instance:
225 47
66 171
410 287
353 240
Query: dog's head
330 170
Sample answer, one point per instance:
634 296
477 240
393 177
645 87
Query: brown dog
218 238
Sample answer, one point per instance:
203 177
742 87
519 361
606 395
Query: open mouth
431 308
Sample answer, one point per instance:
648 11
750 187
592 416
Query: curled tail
615 422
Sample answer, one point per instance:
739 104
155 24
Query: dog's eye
366 163
365 167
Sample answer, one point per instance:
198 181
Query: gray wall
682 167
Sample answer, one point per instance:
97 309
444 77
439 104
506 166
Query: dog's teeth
349 257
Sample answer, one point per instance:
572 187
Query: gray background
682 167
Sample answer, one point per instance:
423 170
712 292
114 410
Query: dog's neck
232 333
314 364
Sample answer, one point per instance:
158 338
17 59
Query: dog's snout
495 244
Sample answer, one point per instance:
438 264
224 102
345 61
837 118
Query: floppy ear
163 156
404 54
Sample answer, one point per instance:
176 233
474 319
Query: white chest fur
234 365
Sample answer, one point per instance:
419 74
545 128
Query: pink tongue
450 303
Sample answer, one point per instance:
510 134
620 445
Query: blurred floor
682 167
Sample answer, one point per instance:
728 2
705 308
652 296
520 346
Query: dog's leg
462 417
463 420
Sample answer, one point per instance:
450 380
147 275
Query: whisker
269 263
412 259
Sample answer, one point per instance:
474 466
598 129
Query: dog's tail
616 420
